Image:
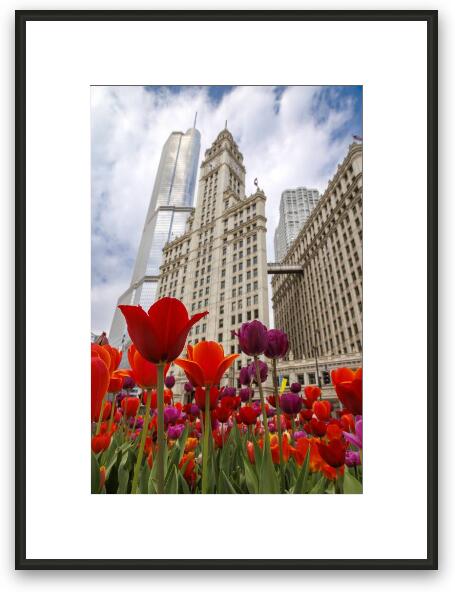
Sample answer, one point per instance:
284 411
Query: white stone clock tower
220 263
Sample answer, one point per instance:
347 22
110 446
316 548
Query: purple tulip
188 387
263 370
175 431
296 387
244 376
244 394
194 410
139 422
272 427
270 411
128 383
169 381
352 458
252 338
277 344
171 414
356 438
228 391
300 434
291 403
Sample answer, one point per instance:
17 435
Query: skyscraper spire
195 117
225 125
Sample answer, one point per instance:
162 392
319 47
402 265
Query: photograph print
226 294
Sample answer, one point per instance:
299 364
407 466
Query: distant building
296 206
321 308
220 263
170 205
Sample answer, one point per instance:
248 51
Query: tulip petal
223 366
192 370
142 332
178 340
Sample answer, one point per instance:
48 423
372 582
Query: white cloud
299 145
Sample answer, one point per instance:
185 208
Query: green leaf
302 478
225 484
268 479
351 484
144 478
320 487
250 476
171 482
95 475
258 453
183 485
124 473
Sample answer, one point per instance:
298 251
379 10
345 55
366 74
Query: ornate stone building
321 308
220 263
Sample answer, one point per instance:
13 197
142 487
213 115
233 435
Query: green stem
100 416
140 453
111 418
278 419
161 440
135 422
205 451
261 394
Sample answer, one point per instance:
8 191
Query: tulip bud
169 381
263 370
296 387
277 344
252 338
290 403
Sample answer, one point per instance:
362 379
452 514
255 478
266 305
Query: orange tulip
100 383
144 373
206 363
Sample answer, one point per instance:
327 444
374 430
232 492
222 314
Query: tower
296 206
220 263
170 205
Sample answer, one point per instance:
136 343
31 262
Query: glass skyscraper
170 205
296 206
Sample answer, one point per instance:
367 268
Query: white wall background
443 580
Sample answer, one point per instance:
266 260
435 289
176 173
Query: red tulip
317 427
348 386
322 409
334 453
130 405
334 432
248 415
100 383
106 411
222 413
160 334
206 363
250 452
199 397
311 394
100 442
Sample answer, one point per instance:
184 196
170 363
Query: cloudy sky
289 136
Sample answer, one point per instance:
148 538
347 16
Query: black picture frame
431 19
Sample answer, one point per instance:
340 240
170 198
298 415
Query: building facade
321 308
170 205
220 263
296 206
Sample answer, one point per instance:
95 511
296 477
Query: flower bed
225 440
